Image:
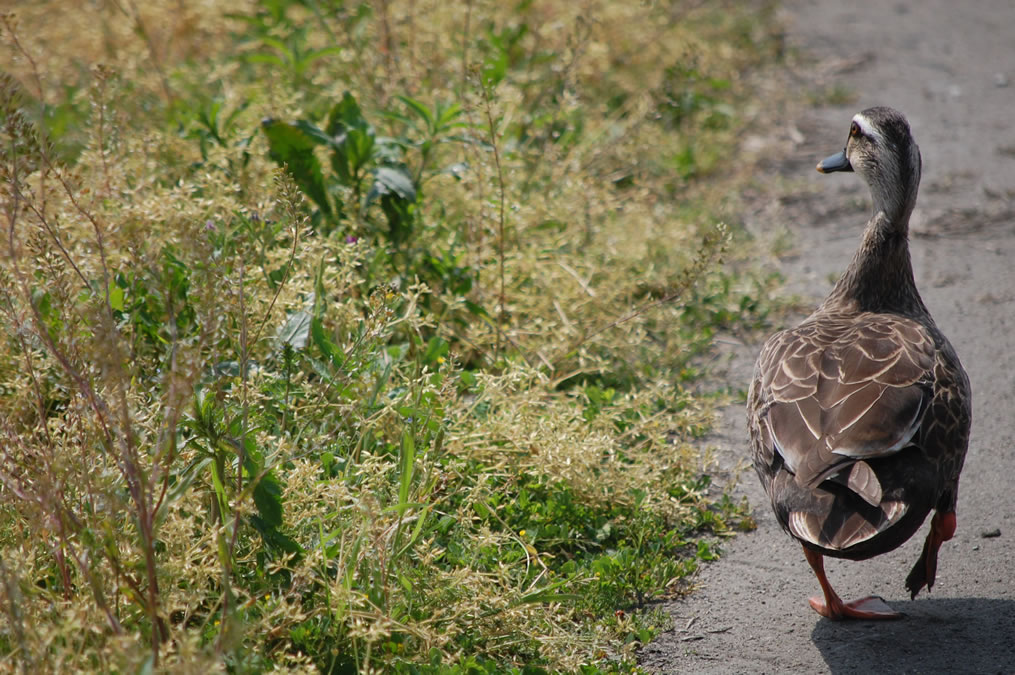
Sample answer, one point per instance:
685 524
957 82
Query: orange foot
834 608
871 607
942 528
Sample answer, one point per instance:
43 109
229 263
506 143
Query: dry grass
237 437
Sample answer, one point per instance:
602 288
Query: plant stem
492 128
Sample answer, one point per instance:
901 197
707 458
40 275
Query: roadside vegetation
345 336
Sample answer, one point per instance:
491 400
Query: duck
859 417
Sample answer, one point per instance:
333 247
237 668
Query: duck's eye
854 130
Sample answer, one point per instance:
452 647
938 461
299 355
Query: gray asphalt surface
950 67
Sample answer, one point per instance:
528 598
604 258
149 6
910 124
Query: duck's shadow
948 635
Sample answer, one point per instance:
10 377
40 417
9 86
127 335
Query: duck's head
881 149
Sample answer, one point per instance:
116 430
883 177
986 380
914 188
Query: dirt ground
950 67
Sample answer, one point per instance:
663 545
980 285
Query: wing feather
844 388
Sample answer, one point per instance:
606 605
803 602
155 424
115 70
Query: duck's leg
942 528
832 606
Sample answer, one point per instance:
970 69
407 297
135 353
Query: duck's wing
829 395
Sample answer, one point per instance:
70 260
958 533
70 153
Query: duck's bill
837 162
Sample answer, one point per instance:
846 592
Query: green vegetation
346 336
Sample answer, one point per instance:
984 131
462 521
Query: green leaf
266 58
358 147
392 181
279 46
275 538
293 146
446 117
705 552
315 54
416 530
182 485
295 332
328 348
346 115
395 189
476 309
268 500
436 348
115 297
408 461
314 133
551 597
421 111
220 492
352 139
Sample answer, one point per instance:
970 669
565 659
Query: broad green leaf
314 133
115 297
268 500
393 181
353 139
346 115
295 332
293 146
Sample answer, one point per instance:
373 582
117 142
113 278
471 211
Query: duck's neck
880 277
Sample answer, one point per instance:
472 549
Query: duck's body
859 417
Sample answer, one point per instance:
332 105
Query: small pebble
989 534
1000 80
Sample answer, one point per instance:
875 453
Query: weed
319 357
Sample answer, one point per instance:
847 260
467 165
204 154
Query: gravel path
950 67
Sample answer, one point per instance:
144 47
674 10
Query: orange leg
942 528
832 606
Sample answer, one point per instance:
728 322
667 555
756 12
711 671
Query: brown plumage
859 417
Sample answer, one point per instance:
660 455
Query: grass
350 337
